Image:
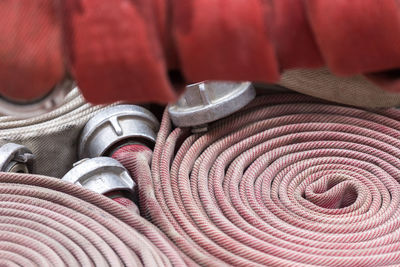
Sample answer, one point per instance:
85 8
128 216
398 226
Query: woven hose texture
53 136
288 181
47 222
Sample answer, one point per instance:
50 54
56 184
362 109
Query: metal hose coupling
16 158
117 126
105 176
208 101
110 133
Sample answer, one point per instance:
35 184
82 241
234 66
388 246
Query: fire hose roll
48 222
290 180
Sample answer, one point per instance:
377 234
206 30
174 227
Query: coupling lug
208 101
116 125
101 175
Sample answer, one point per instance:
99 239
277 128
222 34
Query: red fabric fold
358 36
116 50
292 35
31 60
124 49
225 40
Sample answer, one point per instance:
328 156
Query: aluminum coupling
117 126
101 175
209 101
16 158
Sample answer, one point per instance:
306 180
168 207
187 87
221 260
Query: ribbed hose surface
287 181
48 222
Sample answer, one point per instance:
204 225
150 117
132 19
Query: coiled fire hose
48 222
289 180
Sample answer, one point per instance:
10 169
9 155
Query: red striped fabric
124 50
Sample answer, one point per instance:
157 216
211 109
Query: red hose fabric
342 29
127 203
31 55
124 49
118 44
47 222
121 199
287 181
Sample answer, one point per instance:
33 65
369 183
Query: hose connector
209 101
16 158
101 175
116 126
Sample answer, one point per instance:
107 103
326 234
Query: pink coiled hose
48 222
287 181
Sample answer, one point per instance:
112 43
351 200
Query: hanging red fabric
124 49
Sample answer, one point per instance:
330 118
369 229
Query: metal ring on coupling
209 101
116 124
101 175
30 109
16 158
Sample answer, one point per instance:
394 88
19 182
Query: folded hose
288 181
48 222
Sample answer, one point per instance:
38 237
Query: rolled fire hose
49 222
289 180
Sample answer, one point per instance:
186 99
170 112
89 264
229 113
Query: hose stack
49 222
108 131
285 180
